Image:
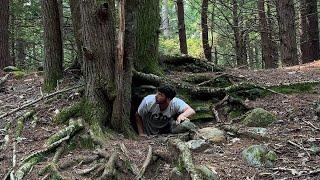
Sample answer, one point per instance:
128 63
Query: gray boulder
211 134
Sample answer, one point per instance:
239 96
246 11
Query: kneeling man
162 112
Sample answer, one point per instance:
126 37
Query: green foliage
171 46
18 74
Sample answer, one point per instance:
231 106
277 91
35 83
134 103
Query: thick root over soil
186 158
53 142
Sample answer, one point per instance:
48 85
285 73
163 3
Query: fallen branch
37 100
145 164
186 158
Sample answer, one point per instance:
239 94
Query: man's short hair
168 90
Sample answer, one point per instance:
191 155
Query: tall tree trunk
266 42
76 24
4 34
148 25
123 67
182 28
99 62
241 53
21 53
13 37
287 32
272 32
165 19
53 68
310 30
204 27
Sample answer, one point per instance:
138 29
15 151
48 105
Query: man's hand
181 118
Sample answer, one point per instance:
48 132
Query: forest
75 74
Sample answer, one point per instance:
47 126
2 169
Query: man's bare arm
139 125
188 112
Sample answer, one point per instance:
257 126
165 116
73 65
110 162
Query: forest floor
295 114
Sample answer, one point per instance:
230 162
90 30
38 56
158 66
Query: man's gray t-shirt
154 119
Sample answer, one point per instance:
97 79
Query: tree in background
266 41
53 62
4 34
239 36
165 19
147 36
182 28
310 30
204 27
76 24
287 32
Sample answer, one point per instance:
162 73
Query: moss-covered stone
259 118
258 155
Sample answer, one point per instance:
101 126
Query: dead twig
300 147
39 99
310 124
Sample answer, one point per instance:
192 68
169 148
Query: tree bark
53 63
123 67
99 62
266 42
287 32
182 28
204 27
240 48
147 36
4 34
310 31
165 19
76 24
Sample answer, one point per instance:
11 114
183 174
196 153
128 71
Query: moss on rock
259 118
258 155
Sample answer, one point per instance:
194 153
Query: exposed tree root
74 126
186 158
55 141
82 160
145 164
89 170
21 121
37 100
132 167
3 80
109 169
5 141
